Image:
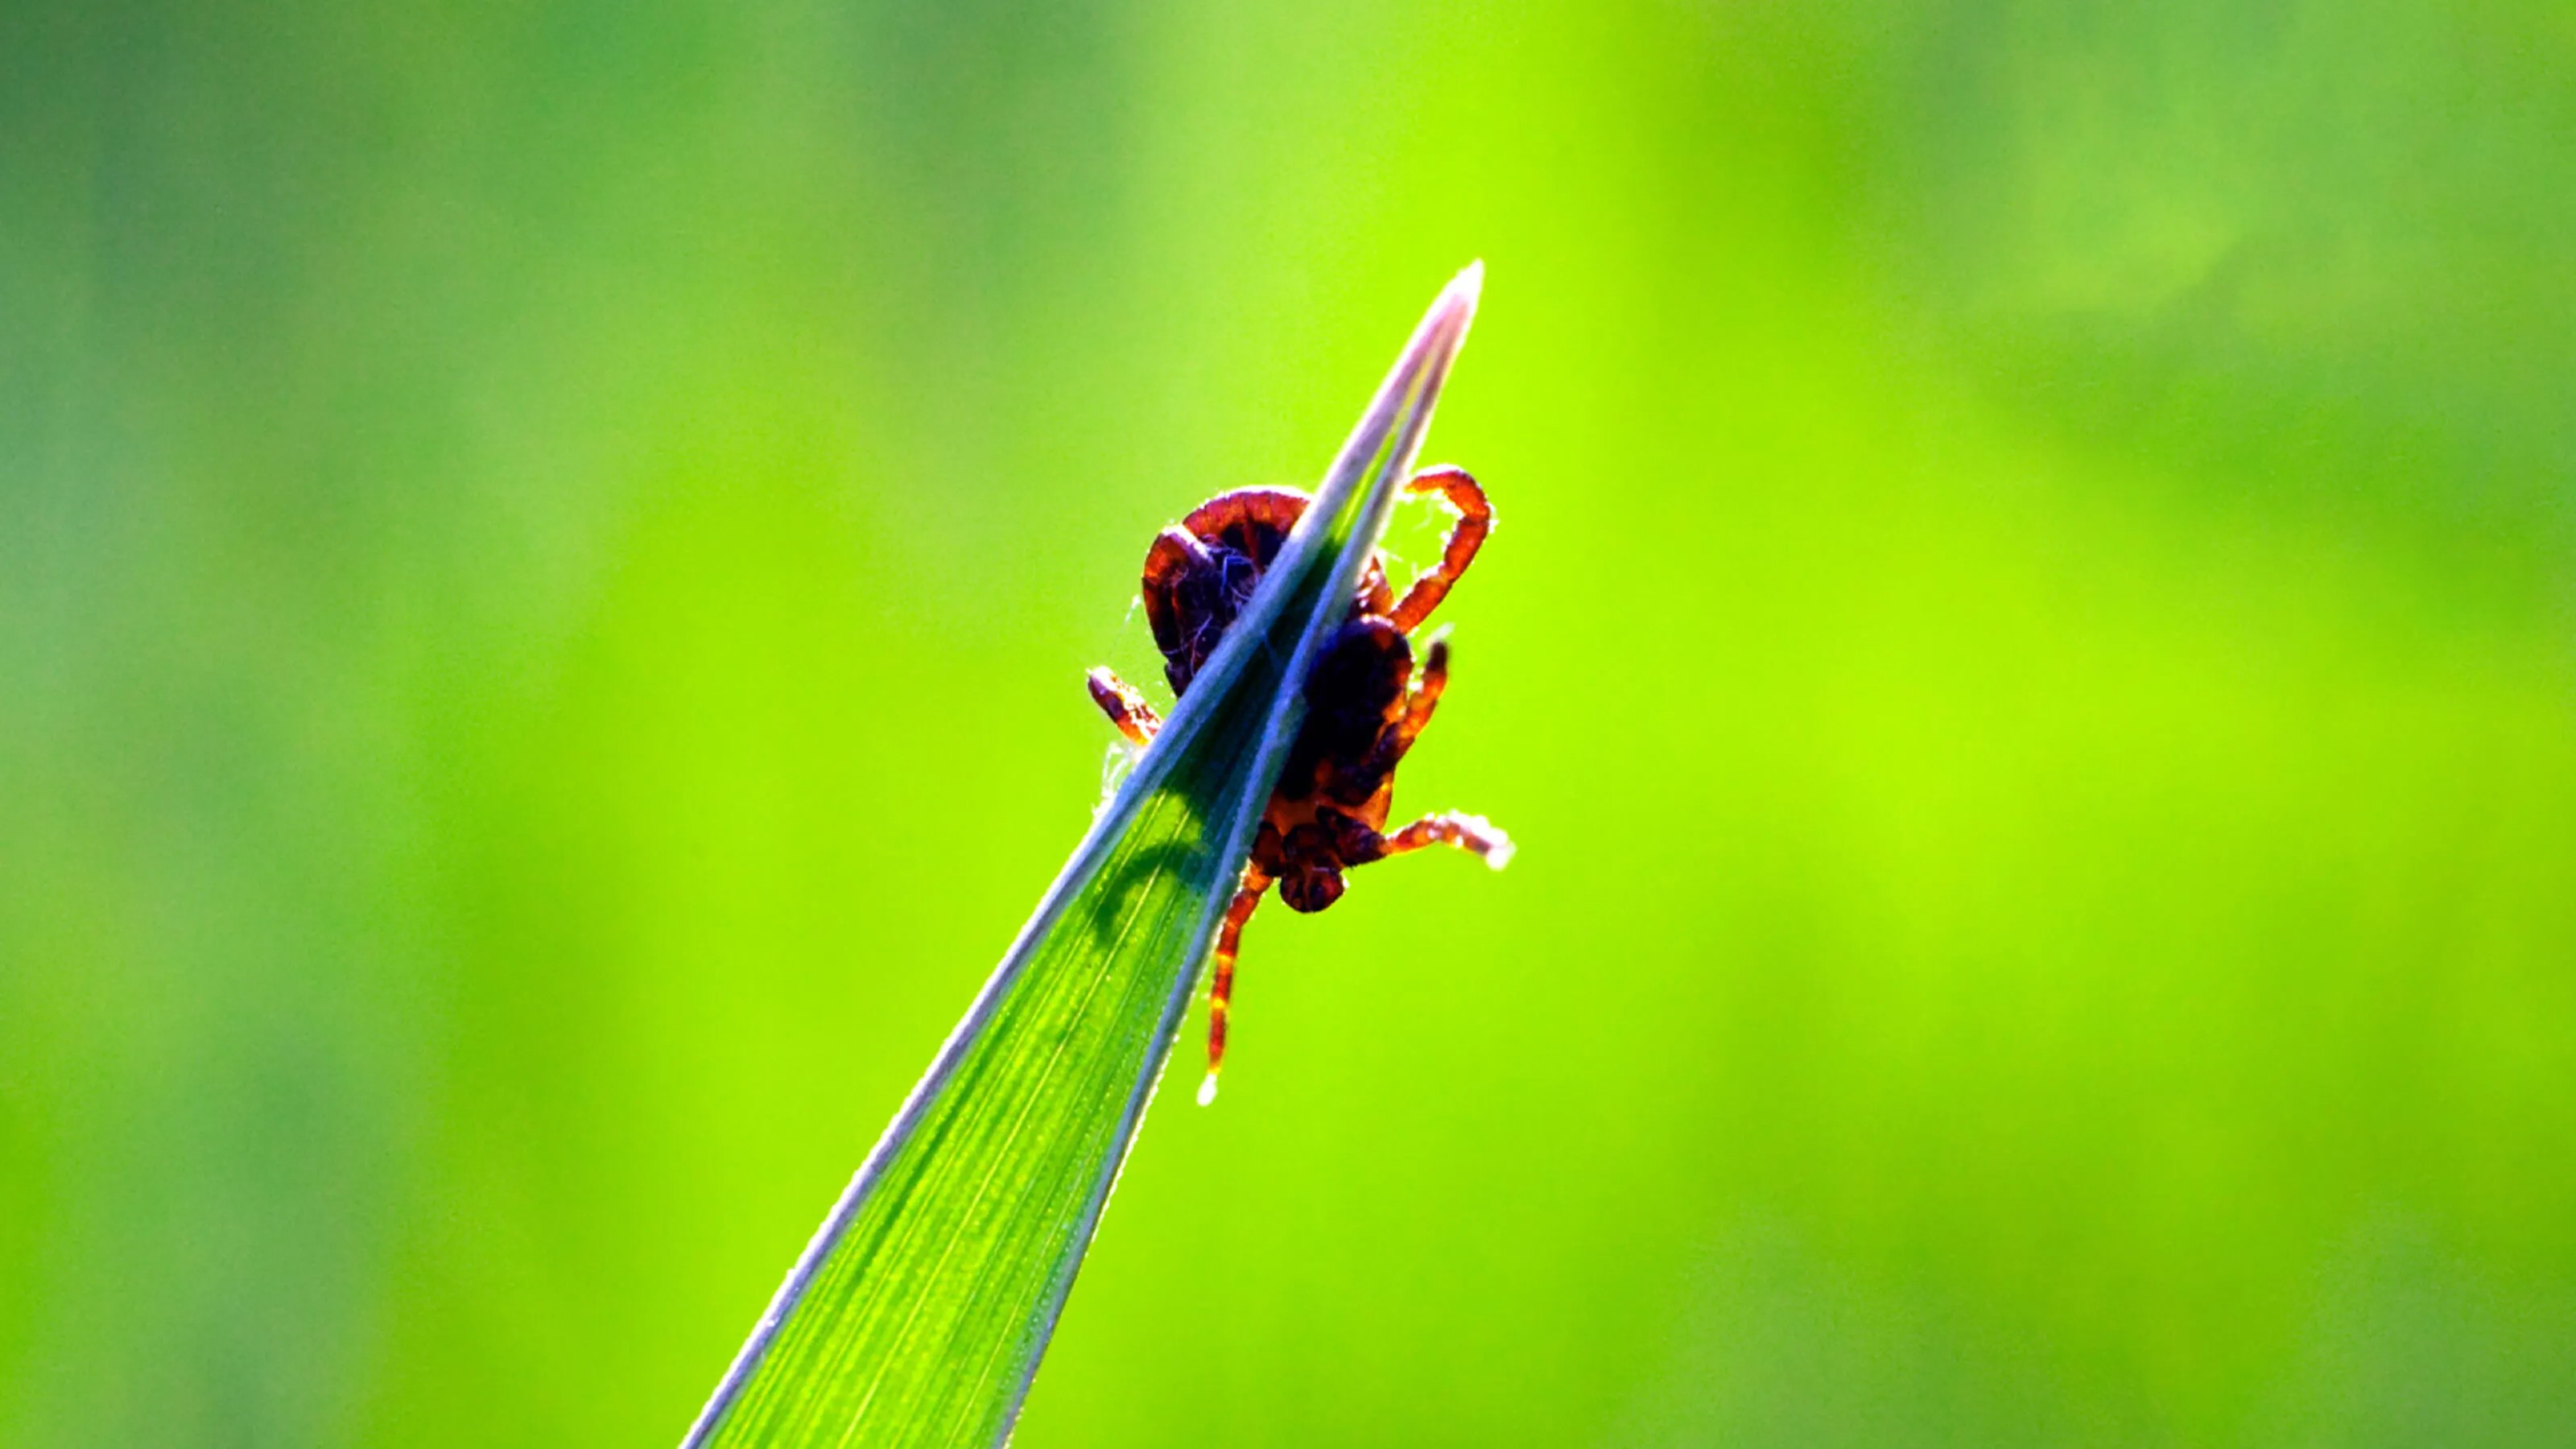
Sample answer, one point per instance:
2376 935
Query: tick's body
1364 703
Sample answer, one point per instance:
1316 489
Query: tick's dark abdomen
1350 694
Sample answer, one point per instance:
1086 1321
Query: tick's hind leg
1229 938
1473 833
1125 707
1475 520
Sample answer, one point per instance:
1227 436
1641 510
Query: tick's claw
1207 1089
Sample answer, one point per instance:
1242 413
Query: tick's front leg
1125 707
1475 520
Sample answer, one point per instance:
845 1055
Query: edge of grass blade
1390 429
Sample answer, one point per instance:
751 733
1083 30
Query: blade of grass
918 1313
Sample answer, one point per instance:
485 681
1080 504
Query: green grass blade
920 1310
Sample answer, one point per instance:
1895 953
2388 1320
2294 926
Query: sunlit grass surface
546 559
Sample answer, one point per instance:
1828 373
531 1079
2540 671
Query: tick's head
1311 887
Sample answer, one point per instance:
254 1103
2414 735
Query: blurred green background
547 555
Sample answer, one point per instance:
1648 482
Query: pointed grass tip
1470 280
1457 301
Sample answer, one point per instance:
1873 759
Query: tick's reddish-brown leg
1125 707
1229 938
1475 520
1167 562
1419 701
1474 833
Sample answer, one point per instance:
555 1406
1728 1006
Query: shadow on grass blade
920 1310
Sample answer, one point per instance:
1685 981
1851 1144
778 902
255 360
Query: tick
1365 704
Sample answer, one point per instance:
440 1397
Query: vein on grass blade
920 1309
